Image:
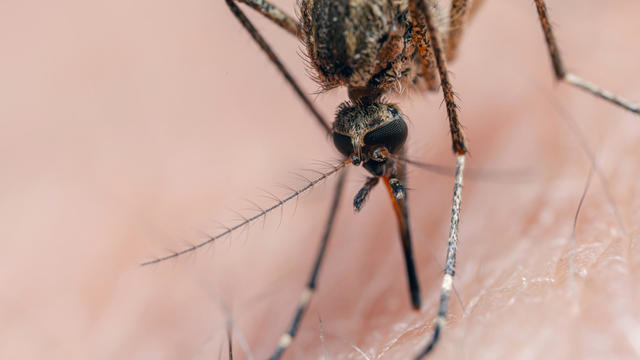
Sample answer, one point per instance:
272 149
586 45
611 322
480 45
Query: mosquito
375 48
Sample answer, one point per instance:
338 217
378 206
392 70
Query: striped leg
287 338
423 43
563 75
421 10
449 270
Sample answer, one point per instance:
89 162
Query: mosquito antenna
324 163
248 220
503 176
317 172
302 177
259 209
436 169
272 196
294 191
242 219
489 175
222 226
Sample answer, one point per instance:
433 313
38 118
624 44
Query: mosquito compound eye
391 135
343 143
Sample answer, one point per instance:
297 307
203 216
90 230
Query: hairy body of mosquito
364 45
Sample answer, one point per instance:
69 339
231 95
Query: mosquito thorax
361 130
357 43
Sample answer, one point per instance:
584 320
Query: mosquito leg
285 339
423 43
273 57
457 20
419 7
563 75
449 270
396 182
362 195
276 15
460 14
422 12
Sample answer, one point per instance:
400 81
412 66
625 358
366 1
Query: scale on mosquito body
375 48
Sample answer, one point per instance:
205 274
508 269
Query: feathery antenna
295 193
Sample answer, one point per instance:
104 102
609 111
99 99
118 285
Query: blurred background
132 128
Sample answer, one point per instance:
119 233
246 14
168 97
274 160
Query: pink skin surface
130 128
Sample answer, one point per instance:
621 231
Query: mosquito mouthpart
380 154
397 189
355 160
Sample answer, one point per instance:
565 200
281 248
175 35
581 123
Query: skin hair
127 130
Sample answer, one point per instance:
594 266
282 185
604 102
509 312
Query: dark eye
390 135
343 143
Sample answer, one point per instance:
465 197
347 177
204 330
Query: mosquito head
363 130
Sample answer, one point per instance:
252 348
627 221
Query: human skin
128 128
